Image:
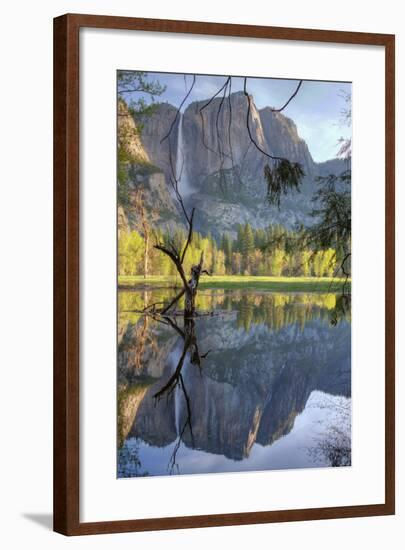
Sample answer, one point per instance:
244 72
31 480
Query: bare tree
190 285
333 444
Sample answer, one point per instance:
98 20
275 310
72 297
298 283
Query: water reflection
260 383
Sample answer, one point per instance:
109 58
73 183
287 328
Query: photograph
206 236
233 274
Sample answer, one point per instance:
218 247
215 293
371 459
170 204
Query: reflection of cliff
140 363
251 386
288 398
128 405
143 350
155 422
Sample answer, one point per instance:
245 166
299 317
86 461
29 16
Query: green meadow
275 284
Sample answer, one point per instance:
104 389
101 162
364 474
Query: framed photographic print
223 274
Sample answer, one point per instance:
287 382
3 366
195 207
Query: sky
316 109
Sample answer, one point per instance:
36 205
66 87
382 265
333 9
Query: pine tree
238 245
260 238
248 246
236 263
226 247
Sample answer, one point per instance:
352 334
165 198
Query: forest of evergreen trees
272 252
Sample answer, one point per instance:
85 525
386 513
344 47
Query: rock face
162 208
205 133
221 171
283 139
128 135
154 128
128 405
146 174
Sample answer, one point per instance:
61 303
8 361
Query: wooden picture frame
67 283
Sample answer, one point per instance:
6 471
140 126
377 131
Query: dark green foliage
131 83
238 244
226 246
333 212
285 176
248 246
248 243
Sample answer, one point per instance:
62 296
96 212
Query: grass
280 284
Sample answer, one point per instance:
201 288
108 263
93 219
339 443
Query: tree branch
287 102
176 260
174 301
189 236
223 87
248 127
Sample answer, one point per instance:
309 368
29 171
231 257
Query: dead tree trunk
191 290
190 286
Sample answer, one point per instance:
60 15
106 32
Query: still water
259 381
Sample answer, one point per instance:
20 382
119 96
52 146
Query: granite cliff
220 171
146 172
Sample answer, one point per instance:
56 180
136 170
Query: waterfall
181 166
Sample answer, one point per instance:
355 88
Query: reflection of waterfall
177 405
180 404
173 361
181 166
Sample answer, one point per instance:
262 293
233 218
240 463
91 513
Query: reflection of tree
275 310
142 337
190 349
342 309
279 310
334 445
129 464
